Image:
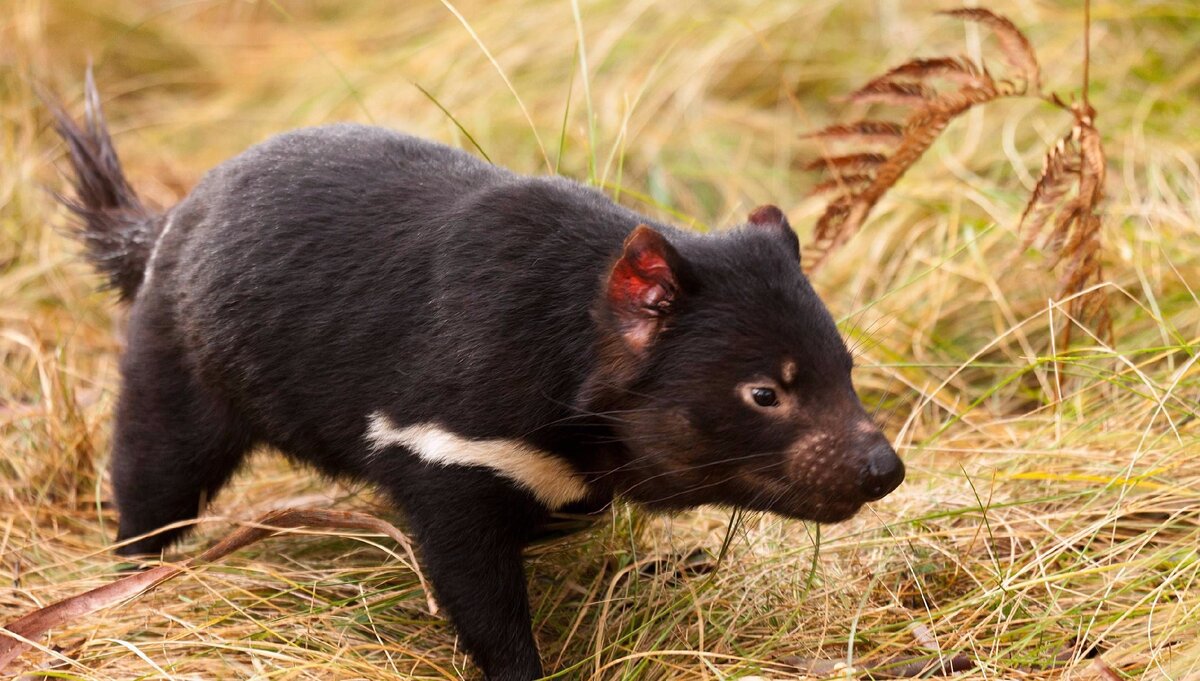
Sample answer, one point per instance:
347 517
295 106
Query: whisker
695 488
707 464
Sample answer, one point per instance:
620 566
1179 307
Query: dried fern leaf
865 132
959 69
920 131
828 226
896 94
1015 47
836 226
1076 234
955 103
1083 243
1084 236
1093 163
1059 173
842 183
1082 268
1093 308
1064 223
859 181
850 163
38 622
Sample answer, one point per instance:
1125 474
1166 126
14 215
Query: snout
883 472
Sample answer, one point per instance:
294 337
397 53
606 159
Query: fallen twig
933 663
894 668
17 636
929 664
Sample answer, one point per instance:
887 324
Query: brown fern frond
866 132
850 163
830 224
1093 170
1069 190
896 94
831 231
1064 224
1083 265
958 69
957 102
1078 240
841 183
1079 225
1074 242
1058 101
1015 47
1083 239
921 129
1059 173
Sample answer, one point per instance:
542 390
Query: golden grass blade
466 133
42 620
504 77
324 55
581 55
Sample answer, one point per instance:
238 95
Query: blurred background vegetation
1052 512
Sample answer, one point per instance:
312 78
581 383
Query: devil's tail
115 227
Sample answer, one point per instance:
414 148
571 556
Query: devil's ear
771 218
643 287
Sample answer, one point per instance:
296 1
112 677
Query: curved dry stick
16 637
933 664
895 668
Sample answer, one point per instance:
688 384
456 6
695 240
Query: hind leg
175 443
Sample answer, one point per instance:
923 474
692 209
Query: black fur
338 272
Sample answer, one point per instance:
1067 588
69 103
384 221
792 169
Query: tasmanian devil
484 347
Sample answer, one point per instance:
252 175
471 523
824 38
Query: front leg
471 527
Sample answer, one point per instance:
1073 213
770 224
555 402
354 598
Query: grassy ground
1051 499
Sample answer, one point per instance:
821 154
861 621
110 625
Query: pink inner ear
641 281
642 286
767 215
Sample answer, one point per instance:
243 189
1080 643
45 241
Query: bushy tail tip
117 230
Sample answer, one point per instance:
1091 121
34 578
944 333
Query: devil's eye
764 397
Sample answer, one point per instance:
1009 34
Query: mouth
785 500
834 511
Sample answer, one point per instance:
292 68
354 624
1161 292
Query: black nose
883 473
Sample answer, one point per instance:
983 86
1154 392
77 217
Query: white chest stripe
549 478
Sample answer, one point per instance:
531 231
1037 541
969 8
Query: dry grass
1054 496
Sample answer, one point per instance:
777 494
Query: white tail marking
149 273
550 479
